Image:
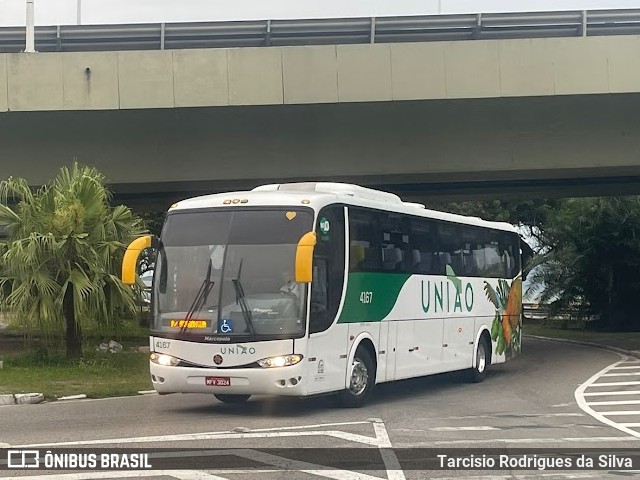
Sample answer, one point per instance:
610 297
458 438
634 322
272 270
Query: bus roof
319 194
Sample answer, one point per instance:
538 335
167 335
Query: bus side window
421 242
364 232
328 268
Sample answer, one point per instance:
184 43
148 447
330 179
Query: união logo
448 295
238 350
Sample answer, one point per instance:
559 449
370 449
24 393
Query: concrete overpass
420 118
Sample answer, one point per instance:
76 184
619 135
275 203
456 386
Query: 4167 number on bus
366 297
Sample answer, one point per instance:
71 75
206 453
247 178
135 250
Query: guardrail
482 26
567 318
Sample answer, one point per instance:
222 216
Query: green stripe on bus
371 296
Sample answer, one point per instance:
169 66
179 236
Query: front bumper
244 381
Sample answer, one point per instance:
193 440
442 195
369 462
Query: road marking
233 471
566 414
389 458
605 394
623 374
310 468
613 384
317 425
503 415
602 416
630 424
626 368
178 436
283 464
455 429
188 437
380 440
617 402
622 412
533 440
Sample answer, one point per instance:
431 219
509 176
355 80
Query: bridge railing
482 26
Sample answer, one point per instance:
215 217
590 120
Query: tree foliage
593 258
531 214
60 262
153 220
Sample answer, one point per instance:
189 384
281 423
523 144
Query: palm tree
60 259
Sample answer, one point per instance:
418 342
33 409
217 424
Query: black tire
225 398
483 360
363 380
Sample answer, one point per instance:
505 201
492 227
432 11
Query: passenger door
328 341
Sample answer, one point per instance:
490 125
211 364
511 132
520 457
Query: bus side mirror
130 261
304 258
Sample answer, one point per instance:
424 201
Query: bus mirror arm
304 258
130 260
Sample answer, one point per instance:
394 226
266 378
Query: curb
72 397
630 353
34 398
21 399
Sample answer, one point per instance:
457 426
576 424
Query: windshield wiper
201 297
241 300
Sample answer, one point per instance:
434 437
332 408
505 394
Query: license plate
218 381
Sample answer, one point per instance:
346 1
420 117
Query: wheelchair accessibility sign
225 325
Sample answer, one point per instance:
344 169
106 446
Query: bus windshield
230 273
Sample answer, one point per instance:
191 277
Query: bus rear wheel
483 360
363 378
225 398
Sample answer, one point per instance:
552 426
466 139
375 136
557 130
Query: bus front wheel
231 398
483 360
363 378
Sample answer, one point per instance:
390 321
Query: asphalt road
529 402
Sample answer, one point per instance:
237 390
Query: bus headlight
280 361
162 359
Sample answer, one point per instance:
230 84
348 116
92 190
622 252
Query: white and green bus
310 288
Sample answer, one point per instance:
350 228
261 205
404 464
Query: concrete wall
411 142
319 74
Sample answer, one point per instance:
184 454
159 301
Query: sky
64 12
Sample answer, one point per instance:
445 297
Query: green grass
33 364
97 375
626 340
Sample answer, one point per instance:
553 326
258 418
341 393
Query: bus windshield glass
230 273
